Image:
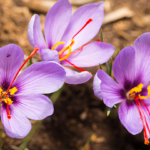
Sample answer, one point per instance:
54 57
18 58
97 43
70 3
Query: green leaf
108 111
115 106
30 61
1 132
107 67
110 69
30 135
101 34
100 66
87 143
118 52
54 97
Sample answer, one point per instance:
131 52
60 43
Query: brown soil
78 113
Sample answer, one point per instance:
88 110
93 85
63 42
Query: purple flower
66 33
24 98
132 72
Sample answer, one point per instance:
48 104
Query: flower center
138 89
132 94
5 97
68 48
63 56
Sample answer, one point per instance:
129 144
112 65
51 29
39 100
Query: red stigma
75 66
143 117
79 48
8 113
78 33
99 40
82 27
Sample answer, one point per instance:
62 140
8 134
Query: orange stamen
76 50
66 48
34 51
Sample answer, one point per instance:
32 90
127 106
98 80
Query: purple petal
73 77
94 11
96 87
30 31
91 55
124 66
11 58
42 77
142 57
35 106
37 33
49 55
112 92
56 22
130 117
18 126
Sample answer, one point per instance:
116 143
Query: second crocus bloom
66 36
132 72
21 98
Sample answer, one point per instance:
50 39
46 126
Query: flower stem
30 135
87 143
1 139
54 97
107 68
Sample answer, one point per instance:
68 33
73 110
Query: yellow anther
148 88
66 48
145 97
136 89
72 40
58 43
139 89
146 142
9 101
66 56
1 90
13 90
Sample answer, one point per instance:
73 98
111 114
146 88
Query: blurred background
78 113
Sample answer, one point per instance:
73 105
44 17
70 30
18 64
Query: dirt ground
78 113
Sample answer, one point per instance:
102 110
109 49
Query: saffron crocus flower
132 88
21 97
66 36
